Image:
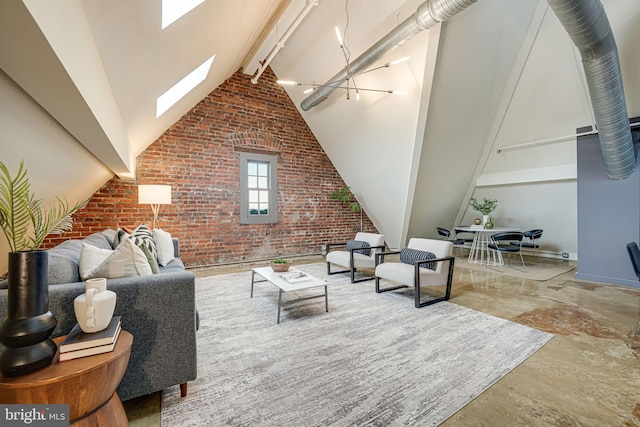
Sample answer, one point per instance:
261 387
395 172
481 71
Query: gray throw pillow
410 256
364 248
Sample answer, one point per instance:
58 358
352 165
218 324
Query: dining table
479 252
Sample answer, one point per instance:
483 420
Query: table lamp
154 195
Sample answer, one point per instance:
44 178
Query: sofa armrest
160 313
176 247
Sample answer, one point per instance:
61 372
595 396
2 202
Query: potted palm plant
485 208
25 222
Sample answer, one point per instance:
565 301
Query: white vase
94 309
485 218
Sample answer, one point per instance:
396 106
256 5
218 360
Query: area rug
372 360
539 272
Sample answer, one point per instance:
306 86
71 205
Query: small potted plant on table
485 208
280 265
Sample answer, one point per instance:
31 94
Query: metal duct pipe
588 26
426 16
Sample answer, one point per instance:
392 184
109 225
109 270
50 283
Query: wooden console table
87 385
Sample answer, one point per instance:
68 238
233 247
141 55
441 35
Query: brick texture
199 156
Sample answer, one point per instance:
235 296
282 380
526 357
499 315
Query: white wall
371 142
56 162
542 96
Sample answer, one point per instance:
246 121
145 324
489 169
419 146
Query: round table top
486 230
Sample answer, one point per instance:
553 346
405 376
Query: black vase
26 333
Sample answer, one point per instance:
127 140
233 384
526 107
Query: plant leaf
15 213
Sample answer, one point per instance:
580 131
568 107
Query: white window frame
272 164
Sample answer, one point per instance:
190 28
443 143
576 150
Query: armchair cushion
361 246
410 256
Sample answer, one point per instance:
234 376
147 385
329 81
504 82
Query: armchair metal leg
334 272
393 288
362 279
447 292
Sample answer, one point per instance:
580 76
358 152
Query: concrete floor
585 376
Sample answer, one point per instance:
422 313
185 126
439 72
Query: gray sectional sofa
158 310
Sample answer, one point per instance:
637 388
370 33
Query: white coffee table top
291 280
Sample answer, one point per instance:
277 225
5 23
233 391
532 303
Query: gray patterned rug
372 360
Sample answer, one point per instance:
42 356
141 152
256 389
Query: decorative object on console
26 332
489 224
154 195
94 309
280 265
477 221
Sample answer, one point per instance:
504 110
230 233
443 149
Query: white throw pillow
126 260
90 258
164 246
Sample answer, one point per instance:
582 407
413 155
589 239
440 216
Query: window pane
253 209
263 170
253 182
264 197
263 182
252 168
254 196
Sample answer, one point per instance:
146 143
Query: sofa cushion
64 260
142 235
175 265
126 260
363 247
98 240
153 262
164 246
410 256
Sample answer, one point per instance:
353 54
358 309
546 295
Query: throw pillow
142 235
410 256
164 246
126 260
153 262
363 247
90 258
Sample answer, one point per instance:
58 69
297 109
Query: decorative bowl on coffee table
280 265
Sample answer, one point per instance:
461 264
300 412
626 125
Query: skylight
172 10
184 86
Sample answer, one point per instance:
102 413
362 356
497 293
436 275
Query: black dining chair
634 256
457 243
508 242
532 235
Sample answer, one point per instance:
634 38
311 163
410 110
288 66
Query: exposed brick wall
199 156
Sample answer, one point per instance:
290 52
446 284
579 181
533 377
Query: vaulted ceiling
498 73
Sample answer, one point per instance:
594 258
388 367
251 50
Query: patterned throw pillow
153 262
142 236
364 248
410 256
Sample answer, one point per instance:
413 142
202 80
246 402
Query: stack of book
79 344
477 227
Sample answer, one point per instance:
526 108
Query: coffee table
306 281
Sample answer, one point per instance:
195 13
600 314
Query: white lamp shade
154 194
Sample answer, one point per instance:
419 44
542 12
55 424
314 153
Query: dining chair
533 235
508 242
457 243
634 256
